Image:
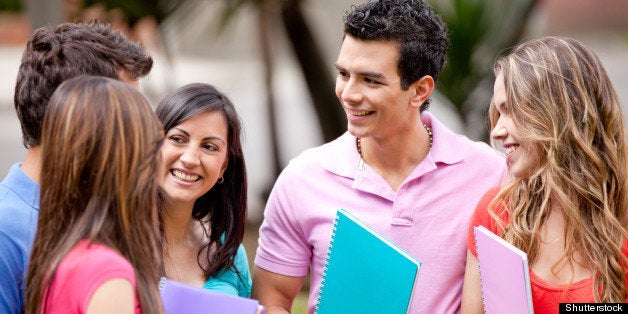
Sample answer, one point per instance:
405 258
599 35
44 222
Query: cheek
167 157
339 87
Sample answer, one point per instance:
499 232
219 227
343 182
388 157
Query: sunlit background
271 56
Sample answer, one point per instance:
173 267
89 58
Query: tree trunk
319 82
265 36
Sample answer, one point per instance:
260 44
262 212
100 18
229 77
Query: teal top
230 281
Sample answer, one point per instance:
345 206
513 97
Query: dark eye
177 139
370 80
343 74
210 147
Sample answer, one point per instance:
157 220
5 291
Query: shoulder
482 215
96 262
453 148
19 198
86 269
241 256
19 204
336 158
324 153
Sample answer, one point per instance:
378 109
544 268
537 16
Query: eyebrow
204 139
363 73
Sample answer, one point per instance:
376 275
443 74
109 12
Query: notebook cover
182 298
504 274
365 272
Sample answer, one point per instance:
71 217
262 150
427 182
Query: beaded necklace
358 141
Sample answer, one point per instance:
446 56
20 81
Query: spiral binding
477 251
162 283
327 257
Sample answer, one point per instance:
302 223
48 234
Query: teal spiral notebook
365 272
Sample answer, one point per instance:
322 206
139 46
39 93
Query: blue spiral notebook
365 272
180 298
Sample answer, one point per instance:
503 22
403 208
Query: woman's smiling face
193 157
520 156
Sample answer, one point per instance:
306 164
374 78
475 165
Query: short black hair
413 24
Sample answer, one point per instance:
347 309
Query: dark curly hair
419 31
55 54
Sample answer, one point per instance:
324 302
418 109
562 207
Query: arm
275 292
13 275
113 296
472 290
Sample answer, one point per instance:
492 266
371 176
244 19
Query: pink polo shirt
428 216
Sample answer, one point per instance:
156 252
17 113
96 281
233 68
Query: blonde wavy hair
563 104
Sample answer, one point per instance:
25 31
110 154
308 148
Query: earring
220 180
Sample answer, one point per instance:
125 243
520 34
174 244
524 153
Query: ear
422 89
224 166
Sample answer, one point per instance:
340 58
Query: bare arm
114 296
275 292
472 290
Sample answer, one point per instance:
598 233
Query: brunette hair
55 54
100 151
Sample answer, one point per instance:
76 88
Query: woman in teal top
230 282
203 189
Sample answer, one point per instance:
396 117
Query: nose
190 156
499 132
348 91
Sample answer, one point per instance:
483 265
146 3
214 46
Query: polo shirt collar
343 158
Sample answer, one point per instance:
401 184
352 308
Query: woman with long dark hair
203 190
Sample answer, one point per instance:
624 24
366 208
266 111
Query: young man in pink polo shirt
397 168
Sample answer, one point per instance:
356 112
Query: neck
395 157
397 151
179 227
32 163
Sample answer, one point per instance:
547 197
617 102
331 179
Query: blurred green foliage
479 30
10 5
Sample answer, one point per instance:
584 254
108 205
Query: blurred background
275 60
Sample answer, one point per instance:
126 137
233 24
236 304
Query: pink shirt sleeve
81 273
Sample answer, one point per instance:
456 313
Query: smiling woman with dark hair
203 190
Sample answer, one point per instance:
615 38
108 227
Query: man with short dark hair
398 168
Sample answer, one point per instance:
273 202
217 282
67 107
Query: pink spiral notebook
178 297
504 274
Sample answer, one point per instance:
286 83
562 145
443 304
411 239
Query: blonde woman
560 122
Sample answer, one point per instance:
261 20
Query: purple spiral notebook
504 274
178 297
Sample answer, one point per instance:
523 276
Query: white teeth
511 149
360 113
184 177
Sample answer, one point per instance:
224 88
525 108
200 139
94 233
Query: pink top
428 216
80 273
